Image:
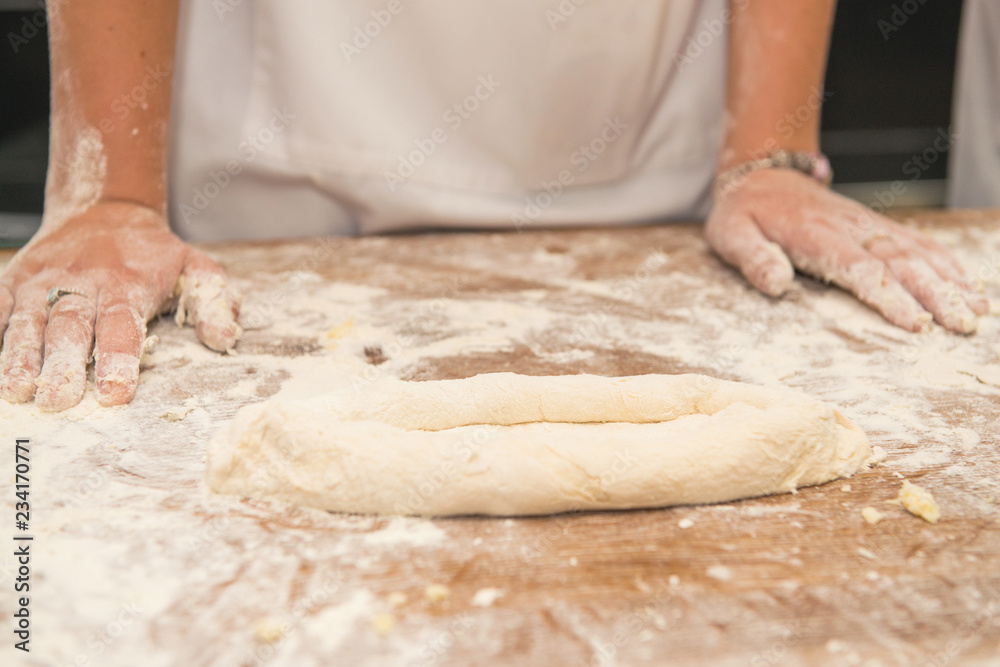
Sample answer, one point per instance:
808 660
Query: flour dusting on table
114 482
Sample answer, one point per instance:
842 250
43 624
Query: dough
506 444
919 502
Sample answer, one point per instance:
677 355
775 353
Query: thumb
739 241
208 302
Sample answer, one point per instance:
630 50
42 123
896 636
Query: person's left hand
777 215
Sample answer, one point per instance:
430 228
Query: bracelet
814 165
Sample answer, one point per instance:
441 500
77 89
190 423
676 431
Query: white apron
301 117
974 165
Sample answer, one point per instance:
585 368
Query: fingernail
61 384
961 320
220 339
979 304
18 386
118 376
778 273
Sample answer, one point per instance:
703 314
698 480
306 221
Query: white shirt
303 117
974 163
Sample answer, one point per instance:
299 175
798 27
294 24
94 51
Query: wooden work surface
136 564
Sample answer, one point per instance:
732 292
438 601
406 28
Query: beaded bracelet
814 165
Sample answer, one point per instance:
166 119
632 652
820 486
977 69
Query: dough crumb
149 343
919 502
685 523
878 456
436 592
485 597
867 553
176 415
872 515
845 488
339 332
270 630
573 562
720 572
396 599
383 625
674 580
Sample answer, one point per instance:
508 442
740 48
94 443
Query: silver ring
57 293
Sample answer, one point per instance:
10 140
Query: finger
944 264
118 333
872 282
741 243
69 337
21 359
6 305
959 285
938 296
824 254
209 303
979 304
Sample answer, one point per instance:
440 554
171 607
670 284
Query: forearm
111 64
777 58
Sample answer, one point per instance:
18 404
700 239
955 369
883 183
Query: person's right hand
127 267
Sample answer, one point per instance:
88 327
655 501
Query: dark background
891 95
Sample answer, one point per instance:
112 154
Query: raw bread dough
507 444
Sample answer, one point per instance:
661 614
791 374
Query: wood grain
786 580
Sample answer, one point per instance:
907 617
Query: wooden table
135 563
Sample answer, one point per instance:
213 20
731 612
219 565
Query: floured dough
507 444
919 502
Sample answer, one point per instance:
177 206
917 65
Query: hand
777 215
128 267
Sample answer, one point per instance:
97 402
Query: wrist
811 163
102 214
83 173
743 146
